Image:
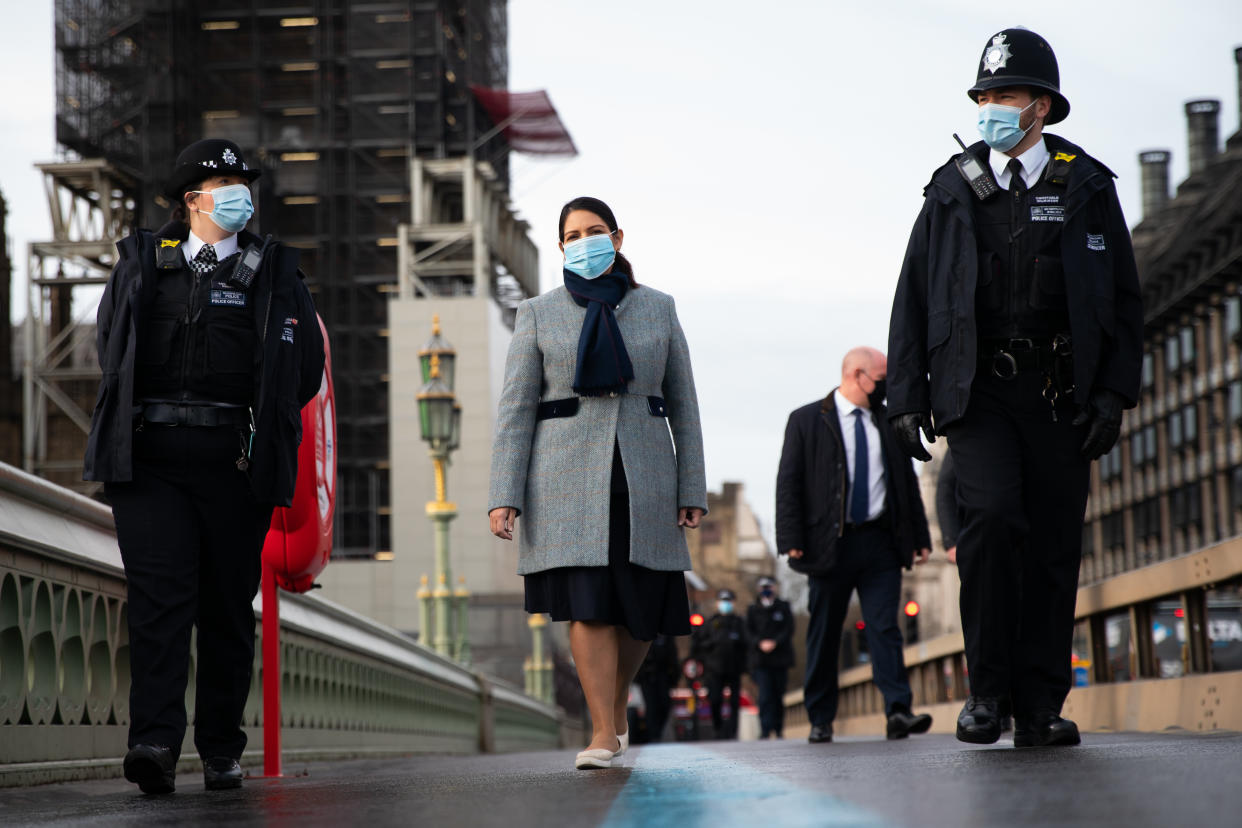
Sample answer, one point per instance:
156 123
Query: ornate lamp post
436 419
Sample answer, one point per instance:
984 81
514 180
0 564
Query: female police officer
209 346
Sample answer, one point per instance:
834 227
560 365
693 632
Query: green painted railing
350 686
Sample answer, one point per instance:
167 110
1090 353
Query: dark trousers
866 561
771 682
1022 489
716 684
655 694
190 534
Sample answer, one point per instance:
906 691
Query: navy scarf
603 363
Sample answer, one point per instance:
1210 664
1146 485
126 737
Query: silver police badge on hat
229 157
997 55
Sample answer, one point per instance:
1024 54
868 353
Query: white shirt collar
844 406
224 248
1033 162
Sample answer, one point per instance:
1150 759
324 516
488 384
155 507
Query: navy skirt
645 601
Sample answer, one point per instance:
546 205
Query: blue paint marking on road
682 786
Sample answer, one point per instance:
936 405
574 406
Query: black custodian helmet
1019 57
204 159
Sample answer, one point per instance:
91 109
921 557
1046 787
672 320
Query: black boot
901 722
153 768
979 722
221 773
1043 728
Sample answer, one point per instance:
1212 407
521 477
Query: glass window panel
1175 431
1235 401
1188 344
1149 370
1119 641
1233 316
1136 449
1224 607
1190 423
1168 634
1170 354
1149 443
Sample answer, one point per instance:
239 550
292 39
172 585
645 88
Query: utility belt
1051 356
568 407
193 414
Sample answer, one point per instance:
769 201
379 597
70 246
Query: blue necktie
860 492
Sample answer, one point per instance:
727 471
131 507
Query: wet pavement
1111 779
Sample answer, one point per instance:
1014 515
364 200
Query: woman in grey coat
598 449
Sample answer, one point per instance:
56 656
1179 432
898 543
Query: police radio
975 174
248 265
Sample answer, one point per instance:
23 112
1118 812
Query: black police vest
198 342
1021 287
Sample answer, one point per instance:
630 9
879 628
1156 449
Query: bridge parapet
1147 659
351 686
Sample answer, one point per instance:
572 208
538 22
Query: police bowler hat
1019 57
205 159
725 595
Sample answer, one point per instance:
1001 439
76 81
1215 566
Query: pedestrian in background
598 372
769 628
1017 331
720 644
210 346
849 516
658 675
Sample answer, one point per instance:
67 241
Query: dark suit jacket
813 479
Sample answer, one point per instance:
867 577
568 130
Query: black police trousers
191 535
724 728
1022 489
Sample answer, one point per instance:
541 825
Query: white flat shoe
591 759
624 739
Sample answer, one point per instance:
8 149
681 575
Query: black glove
1103 411
906 428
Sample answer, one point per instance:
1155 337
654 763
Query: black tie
1016 182
205 261
860 491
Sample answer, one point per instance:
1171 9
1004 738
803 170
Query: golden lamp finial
435 366
435 324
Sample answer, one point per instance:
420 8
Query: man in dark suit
849 515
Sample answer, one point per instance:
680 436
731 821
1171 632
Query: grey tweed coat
557 472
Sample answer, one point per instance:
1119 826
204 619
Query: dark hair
179 213
599 208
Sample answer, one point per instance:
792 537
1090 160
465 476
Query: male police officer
1017 329
721 645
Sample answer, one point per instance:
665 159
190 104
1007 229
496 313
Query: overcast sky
765 160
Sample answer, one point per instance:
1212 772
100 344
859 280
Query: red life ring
299 541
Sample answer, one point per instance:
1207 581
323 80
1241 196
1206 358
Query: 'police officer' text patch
1047 212
234 298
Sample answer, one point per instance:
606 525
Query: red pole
271 674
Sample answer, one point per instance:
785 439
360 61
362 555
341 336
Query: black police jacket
288 376
774 623
932 337
721 645
812 480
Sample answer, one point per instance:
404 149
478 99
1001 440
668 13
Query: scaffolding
333 99
92 208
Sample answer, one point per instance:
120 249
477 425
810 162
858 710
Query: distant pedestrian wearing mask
721 645
598 373
769 629
849 515
208 355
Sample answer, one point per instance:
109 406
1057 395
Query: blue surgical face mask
590 256
233 206
725 607
1000 126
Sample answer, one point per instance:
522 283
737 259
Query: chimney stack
1237 56
1202 124
1154 167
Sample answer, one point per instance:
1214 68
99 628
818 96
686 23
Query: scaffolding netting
528 120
